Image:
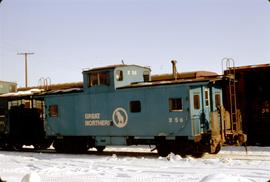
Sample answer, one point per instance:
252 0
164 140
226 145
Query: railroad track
234 155
240 156
93 152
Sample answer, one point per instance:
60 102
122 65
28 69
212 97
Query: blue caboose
120 105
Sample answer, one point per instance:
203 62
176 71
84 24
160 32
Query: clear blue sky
69 35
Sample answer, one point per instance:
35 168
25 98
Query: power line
25 65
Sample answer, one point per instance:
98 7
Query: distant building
6 87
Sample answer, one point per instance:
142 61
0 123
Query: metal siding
131 74
65 122
253 102
153 120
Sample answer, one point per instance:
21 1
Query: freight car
120 105
22 121
252 92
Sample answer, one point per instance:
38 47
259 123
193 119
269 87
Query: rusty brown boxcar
252 93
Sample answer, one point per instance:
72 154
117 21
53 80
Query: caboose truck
119 105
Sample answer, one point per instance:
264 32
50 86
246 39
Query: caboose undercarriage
164 145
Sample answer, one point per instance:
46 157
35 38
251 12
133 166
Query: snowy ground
231 164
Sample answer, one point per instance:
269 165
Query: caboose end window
175 104
53 110
218 100
196 102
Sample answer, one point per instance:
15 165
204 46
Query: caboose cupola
105 79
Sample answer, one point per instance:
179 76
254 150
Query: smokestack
174 69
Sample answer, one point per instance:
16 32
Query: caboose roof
22 94
171 82
111 67
250 67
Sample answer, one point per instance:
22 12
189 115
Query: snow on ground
232 164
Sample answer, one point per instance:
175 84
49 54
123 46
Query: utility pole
25 65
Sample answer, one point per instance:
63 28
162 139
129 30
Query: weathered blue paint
104 111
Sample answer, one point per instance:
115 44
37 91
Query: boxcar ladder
230 75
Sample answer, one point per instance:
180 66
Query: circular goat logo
120 117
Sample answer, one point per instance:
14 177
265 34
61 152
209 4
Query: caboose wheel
163 150
100 148
183 154
42 146
197 151
163 146
197 154
58 146
70 145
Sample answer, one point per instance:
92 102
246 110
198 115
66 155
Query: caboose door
199 112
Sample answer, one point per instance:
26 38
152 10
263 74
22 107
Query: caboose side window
23 102
196 101
14 103
93 79
27 103
135 106
119 75
99 78
104 78
53 110
175 104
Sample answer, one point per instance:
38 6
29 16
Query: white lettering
176 120
134 72
92 116
98 123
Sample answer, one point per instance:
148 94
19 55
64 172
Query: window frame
218 101
146 76
53 110
207 97
119 75
174 104
197 101
99 78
